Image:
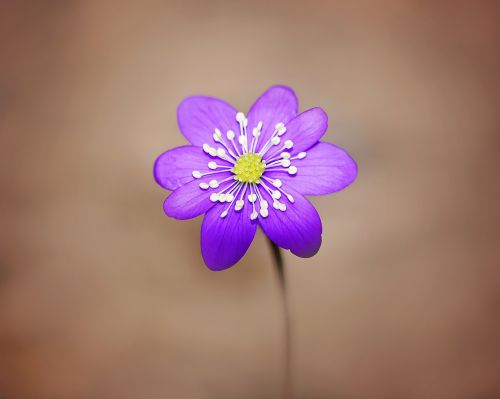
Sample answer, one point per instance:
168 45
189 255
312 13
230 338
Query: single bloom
244 171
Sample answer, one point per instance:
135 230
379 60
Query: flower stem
280 269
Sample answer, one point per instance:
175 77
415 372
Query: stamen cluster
249 166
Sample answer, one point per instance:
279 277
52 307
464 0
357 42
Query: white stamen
240 117
259 125
255 132
217 135
264 212
285 155
214 197
222 195
275 140
276 194
204 186
292 170
242 140
241 201
212 165
254 215
223 214
264 204
288 144
229 197
232 196
285 163
280 129
277 183
277 204
221 152
230 135
252 197
196 174
239 205
301 155
213 183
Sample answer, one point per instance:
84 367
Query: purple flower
254 170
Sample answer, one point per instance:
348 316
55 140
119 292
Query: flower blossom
244 171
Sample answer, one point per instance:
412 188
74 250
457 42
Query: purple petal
224 241
174 168
277 104
298 228
198 116
305 130
189 200
325 170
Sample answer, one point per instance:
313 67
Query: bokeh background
102 296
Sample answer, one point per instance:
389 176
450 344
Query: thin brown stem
280 269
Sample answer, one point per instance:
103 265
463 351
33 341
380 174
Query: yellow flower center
249 168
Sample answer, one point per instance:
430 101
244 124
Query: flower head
245 171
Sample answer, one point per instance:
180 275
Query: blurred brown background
102 296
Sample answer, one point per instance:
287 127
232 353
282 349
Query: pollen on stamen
277 183
212 151
212 165
217 135
239 205
292 170
196 174
301 155
230 135
240 116
288 144
280 128
221 152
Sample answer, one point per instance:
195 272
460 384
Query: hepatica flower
245 171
